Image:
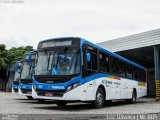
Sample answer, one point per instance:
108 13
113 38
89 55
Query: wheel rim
99 98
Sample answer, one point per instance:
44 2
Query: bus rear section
74 69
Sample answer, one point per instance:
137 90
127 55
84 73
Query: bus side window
89 67
122 69
135 73
129 72
92 64
142 75
113 66
103 63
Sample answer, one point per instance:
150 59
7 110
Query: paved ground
15 104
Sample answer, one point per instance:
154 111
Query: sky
26 22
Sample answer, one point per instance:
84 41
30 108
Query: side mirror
88 57
18 66
32 60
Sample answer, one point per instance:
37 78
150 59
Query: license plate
48 94
29 92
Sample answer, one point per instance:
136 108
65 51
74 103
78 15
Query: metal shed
142 48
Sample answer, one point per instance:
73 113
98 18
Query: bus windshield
27 71
58 62
16 76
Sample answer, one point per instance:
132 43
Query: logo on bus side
106 82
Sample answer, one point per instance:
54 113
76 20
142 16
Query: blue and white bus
17 73
25 82
74 69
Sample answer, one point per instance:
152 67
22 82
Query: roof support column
157 71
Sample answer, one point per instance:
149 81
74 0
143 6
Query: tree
29 48
2 47
2 63
8 57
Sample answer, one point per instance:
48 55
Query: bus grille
25 91
26 81
51 79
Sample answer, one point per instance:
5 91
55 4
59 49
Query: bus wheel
99 102
30 97
134 97
61 103
41 100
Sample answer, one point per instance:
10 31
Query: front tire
61 103
30 97
41 100
99 102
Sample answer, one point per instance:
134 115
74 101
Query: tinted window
135 73
92 64
103 62
114 66
129 73
142 75
122 69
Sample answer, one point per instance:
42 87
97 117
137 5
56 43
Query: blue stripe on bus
24 86
15 86
63 86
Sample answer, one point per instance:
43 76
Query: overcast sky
31 21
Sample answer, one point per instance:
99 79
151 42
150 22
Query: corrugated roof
139 40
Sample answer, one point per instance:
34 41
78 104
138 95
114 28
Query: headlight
75 85
69 88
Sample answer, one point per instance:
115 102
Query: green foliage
12 55
2 47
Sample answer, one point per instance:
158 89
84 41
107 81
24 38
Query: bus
25 81
73 69
16 77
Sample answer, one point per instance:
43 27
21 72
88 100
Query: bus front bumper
14 90
29 93
77 94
